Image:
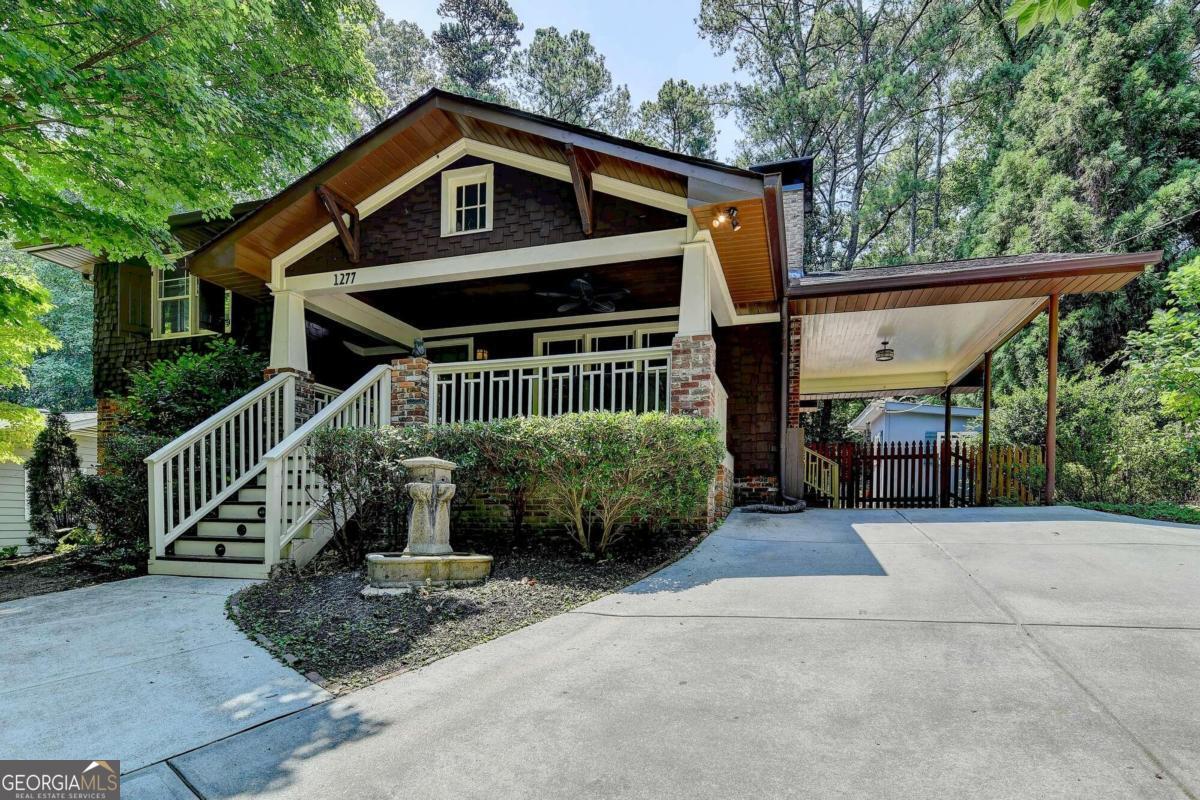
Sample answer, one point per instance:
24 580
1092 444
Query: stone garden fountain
428 560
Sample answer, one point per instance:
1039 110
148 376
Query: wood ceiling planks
983 291
745 253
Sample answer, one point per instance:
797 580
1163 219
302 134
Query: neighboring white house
14 505
898 421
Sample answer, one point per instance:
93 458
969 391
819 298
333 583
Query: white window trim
469 341
589 335
451 180
193 298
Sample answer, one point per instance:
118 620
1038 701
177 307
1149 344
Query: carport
928 329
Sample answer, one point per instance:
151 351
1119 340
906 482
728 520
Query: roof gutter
1050 268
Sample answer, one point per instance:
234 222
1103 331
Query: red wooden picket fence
907 474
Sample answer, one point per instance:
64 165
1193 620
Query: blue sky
644 42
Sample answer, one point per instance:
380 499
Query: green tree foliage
1028 14
1167 353
864 88
51 469
171 396
1088 143
679 119
1113 444
58 379
476 45
405 66
116 115
565 78
23 301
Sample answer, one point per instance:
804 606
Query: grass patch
1169 512
319 622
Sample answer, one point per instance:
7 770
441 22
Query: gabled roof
429 126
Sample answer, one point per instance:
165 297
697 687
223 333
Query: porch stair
236 496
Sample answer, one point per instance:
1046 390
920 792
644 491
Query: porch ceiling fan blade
565 307
603 306
553 295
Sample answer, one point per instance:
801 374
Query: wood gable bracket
582 162
339 207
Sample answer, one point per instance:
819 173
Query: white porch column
289 350
695 302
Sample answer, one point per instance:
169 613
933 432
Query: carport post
1051 396
944 482
985 496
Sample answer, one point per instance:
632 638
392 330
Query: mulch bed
319 623
33 575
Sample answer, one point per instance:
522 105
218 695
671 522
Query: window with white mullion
467 195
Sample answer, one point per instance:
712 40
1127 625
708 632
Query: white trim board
450 154
517 261
363 317
550 322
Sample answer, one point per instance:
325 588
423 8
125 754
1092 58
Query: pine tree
55 461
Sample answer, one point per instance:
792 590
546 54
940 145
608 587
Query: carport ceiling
653 284
934 345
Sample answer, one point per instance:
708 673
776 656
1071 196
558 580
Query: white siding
14 528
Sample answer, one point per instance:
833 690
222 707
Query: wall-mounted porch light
481 354
885 353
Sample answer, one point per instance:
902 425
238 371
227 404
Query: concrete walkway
137 670
1001 653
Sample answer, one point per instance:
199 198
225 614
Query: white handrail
323 395
614 380
293 488
196 472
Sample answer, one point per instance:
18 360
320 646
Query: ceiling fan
581 294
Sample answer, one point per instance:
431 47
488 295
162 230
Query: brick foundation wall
756 489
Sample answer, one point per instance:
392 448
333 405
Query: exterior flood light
734 223
885 353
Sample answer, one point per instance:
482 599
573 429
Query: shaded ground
135 670
321 623
975 653
33 575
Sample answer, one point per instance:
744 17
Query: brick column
410 391
693 367
306 399
108 415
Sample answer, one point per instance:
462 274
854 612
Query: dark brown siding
748 366
115 351
529 210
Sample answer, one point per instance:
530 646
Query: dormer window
467 200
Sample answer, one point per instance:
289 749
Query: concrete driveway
1006 653
137 670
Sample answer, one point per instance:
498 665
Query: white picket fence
622 380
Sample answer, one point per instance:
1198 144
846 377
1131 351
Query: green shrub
10 552
168 397
1165 511
51 468
602 471
365 489
1114 445
113 505
599 472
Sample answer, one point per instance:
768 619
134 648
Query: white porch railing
294 490
621 380
322 395
197 471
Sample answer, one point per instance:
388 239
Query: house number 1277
343 278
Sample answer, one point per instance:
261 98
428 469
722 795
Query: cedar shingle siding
527 210
120 346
